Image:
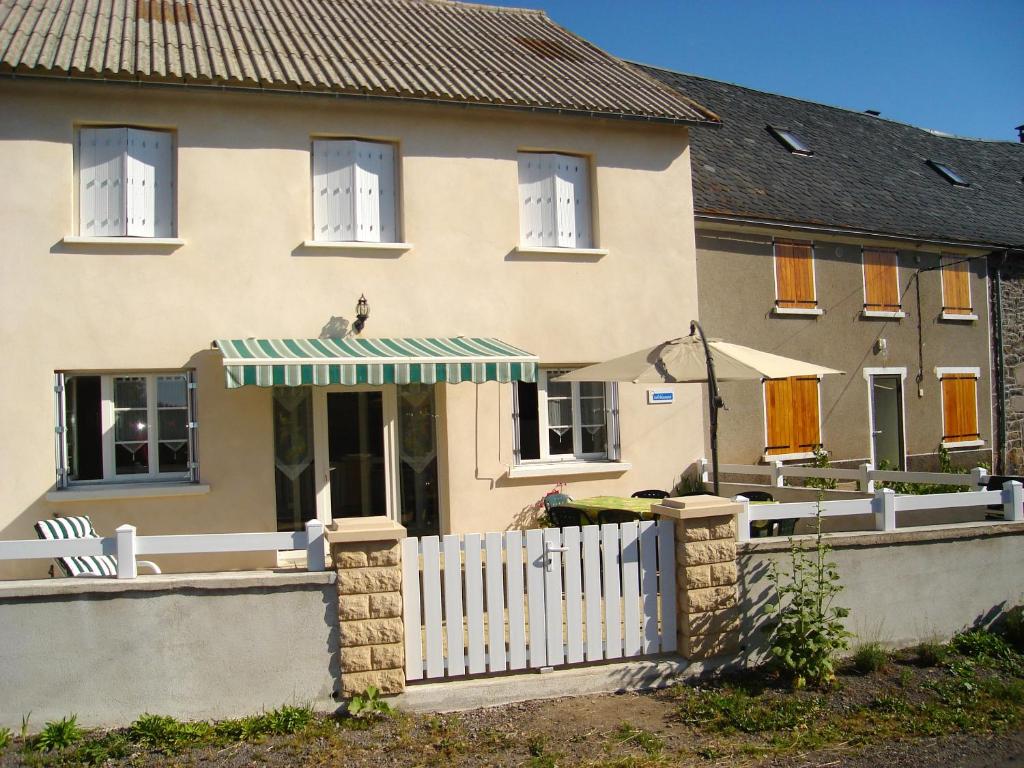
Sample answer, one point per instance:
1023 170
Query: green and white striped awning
300 362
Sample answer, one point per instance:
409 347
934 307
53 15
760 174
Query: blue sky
951 65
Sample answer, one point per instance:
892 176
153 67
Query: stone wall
1011 299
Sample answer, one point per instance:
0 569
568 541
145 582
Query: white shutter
547 194
193 427
149 186
387 193
101 173
333 200
517 442
60 430
368 170
614 441
531 228
573 195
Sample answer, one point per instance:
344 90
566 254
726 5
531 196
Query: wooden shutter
333 199
149 183
794 275
572 196
791 411
956 286
959 407
881 281
101 173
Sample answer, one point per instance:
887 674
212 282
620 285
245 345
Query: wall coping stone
350 530
901 537
691 507
167 582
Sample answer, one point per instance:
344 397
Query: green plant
24 725
288 719
820 461
647 741
5 737
931 654
166 735
368 704
869 657
113 746
58 734
728 710
945 467
1012 626
906 678
808 631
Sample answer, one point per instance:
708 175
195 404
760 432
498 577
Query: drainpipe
997 286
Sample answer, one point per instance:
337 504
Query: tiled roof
409 49
867 173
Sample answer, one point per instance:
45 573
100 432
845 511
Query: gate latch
548 549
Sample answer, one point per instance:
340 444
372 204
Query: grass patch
650 743
732 710
869 657
931 654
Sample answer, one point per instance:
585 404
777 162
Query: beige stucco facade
243 211
736 282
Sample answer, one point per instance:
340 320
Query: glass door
357 462
417 459
887 421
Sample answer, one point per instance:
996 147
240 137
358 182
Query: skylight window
790 141
948 174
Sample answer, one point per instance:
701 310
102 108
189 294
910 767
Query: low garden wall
198 646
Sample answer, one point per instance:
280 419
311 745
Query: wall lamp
362 313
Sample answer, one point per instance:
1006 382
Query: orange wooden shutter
791 409
881 281
959 407
794 275
956 286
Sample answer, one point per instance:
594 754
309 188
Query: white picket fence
885 506
126 546
497 602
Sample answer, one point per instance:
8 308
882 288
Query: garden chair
562 517
606 516
81 565
651 494
756 495
555 499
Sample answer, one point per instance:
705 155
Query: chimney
872 112
1020 133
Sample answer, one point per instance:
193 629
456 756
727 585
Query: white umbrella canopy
683 361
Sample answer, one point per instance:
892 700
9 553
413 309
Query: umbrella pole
714 402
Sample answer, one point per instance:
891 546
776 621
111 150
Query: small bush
1013 628
931 654
869 657
982 644
58 734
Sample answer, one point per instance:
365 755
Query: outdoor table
595 504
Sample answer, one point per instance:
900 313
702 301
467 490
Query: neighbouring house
267 263
863 244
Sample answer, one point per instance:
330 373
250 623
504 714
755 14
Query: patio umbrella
696 359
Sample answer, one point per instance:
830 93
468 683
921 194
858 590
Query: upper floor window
956 288
565 421
959 406
554 196
794 278
948 173
125 426
792 421
354 191
881 283
790 141
125 183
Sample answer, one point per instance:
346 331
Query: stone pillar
706 574
367 557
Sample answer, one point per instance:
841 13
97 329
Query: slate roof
409 49
867 173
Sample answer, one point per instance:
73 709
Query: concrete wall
192 647
244 205
737 288
901 588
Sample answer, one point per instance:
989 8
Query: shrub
809 630
982 644
58 734
931 654
1013 627
869 657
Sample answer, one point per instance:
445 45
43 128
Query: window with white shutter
125 182
554 195
354 191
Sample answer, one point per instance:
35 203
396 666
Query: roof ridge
931 131
486 7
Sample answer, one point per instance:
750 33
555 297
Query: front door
887 420
356 455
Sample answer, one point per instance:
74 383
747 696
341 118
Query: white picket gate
497 602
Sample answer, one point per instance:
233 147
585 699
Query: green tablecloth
596 503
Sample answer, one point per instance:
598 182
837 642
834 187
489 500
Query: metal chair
562 517
651 494
606 516
756 495
555 500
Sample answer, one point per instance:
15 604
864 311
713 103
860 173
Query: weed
647 741
981 644
164 734
368 704
710 753
869 657
58 734
535 745
1013 628
820 461
24 725
890 705
906 678
730 710
945 467
1010 691
288 719
931 654
113 746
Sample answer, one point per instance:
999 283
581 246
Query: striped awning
300 362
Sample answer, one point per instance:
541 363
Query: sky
950 65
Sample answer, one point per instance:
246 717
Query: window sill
955 317
546 251
965 444
563 468
126 491
897 315
813 312
133 242
348 246
770 457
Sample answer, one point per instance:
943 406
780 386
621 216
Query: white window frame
811 311
110 476
941 371
389 206
557 240
947 259
769 457
869 375
611 409
131 231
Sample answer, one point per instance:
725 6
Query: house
866 245
267 263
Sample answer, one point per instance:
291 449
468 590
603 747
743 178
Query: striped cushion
77 528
